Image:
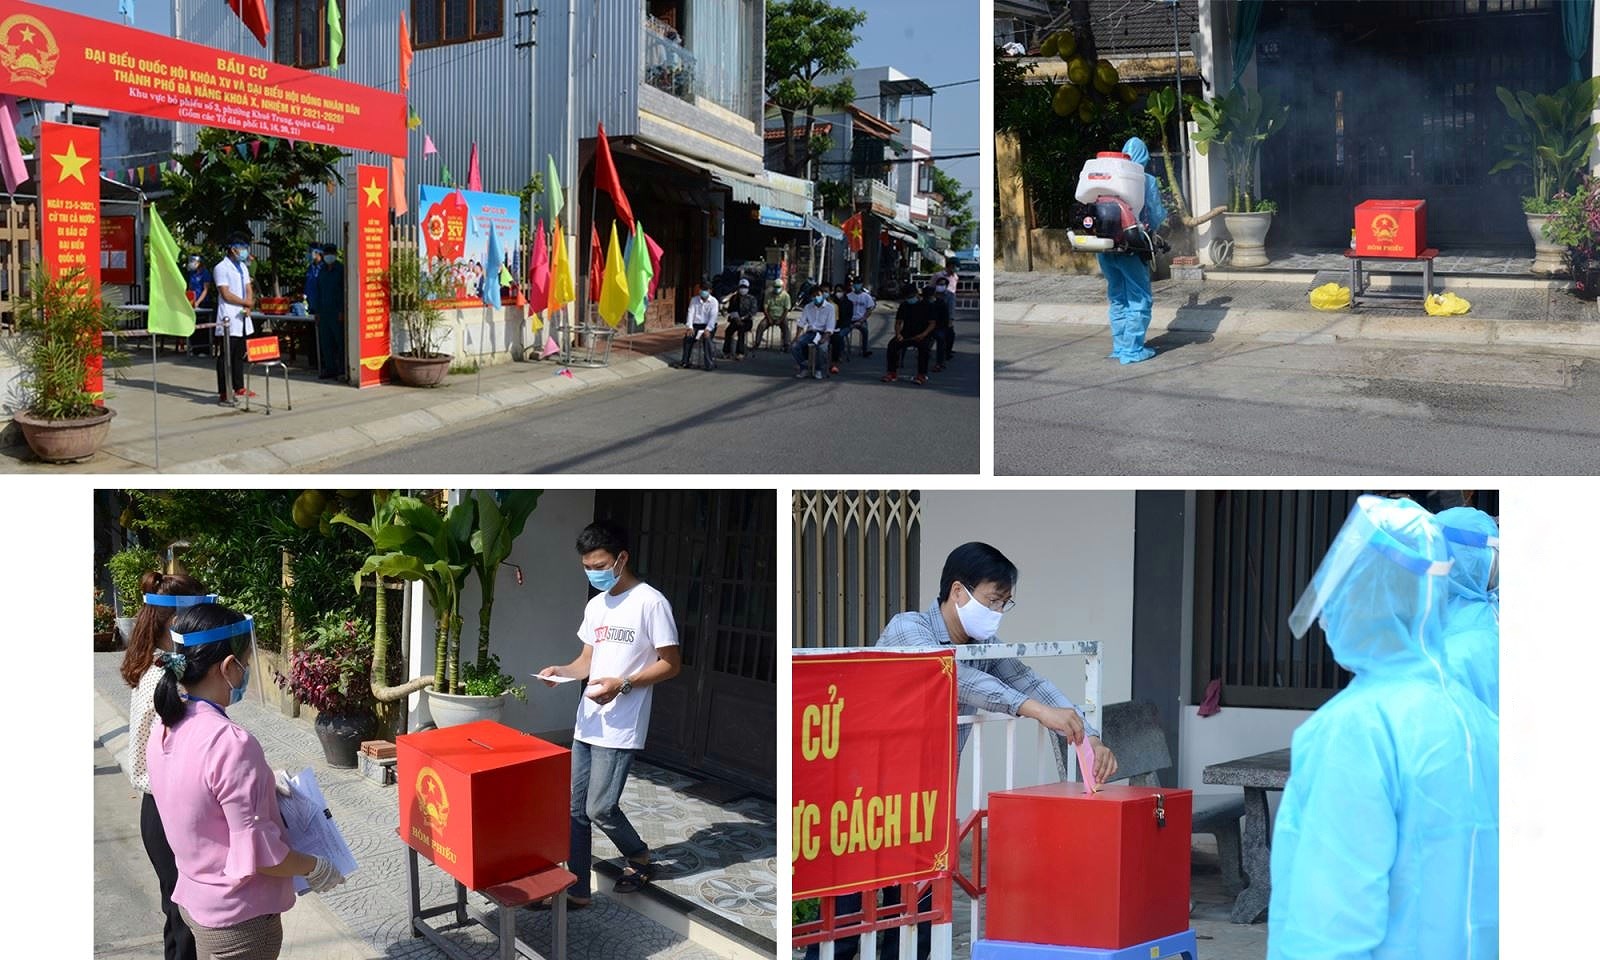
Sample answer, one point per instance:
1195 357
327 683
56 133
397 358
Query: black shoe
867 353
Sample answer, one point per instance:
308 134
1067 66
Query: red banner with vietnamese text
69 213
49 54
369 261
874 769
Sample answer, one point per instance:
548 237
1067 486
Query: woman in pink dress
218 797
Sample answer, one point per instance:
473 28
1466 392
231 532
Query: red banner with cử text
49 54
369 261
69 213
874 734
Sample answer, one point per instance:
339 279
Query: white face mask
978 621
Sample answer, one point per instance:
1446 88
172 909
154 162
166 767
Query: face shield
178 600
253 689
1481 541
1380 589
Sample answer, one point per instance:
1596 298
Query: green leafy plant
331 668
1553 138
1239 122
1540 206
1267 206
61 327
499 519
486 679
103 614
127 567
414 291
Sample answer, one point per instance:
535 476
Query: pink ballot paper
1086 765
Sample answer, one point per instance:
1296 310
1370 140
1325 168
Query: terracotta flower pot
64 441
421 371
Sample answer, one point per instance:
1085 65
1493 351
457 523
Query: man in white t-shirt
630 642
235 299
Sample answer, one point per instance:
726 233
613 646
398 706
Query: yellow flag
614 287
563 290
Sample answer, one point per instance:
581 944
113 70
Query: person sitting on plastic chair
701 326
775 315
742 310
913 330
861 306
818 323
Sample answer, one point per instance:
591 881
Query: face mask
602 579
705 294
240 253
858 288
818 299
978 621
235 694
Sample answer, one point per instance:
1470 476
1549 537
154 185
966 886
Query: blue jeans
835 343
598 774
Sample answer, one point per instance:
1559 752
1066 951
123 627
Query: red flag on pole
474 178
605 178
852 232
406 54
254 15
597 264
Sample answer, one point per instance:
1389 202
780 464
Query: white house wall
1074 554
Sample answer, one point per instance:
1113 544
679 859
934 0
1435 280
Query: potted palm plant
414 291
1241 122
331 671
1553 137
61 325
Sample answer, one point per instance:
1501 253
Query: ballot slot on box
484 802
1391 228
1108 870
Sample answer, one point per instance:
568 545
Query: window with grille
855 563
301 28
437 23
1255 551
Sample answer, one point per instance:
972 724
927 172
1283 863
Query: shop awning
824 227
761 192
773 217
902 235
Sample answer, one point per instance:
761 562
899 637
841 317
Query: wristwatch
627 685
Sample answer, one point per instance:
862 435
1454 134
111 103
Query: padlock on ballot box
486 803
1108 870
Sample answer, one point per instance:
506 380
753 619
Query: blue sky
937 41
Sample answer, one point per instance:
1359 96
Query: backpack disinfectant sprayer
1106 218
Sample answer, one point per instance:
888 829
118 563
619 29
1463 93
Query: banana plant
1554 135
1160 105
501 518
1240 122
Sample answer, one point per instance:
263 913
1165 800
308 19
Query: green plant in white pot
127 567
1240 123
1553 137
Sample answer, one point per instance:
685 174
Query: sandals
635 877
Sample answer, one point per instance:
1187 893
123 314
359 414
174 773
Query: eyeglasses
996 604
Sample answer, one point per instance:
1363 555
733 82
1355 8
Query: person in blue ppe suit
1128 276
1472 614
1386 843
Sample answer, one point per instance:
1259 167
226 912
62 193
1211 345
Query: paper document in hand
555 679
1086 765
310 826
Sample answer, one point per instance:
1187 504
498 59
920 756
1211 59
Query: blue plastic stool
1177 945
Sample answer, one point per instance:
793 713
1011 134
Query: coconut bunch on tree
1093 85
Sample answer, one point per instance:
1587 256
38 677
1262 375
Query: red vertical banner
370 260
69 208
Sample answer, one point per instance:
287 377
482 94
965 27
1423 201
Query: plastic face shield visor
1364 538
225 634
1482 541
178 601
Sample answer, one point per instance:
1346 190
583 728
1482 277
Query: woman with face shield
217 796
1386 842
1472 613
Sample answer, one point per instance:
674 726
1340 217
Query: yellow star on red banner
71 164
374 194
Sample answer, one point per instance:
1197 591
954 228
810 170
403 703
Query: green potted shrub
414 291
331 670
127 567
104 639
1575 227
1553 137
61 326
1240 123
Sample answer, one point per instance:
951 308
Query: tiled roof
1137 26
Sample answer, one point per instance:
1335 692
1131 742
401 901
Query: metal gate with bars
856 563
1255 551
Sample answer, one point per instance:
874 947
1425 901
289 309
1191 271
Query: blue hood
1469 578
1137 151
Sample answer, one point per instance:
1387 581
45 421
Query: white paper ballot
555 679
310 826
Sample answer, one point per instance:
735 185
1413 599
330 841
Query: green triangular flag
171 313
552 191
444 172
639 272
335 35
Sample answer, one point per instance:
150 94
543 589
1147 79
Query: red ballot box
484 802
1391 228
1103 871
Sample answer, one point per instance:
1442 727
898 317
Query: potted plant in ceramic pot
127 567
415 289
61 326
1552 138
1240 123
331 670
1575 227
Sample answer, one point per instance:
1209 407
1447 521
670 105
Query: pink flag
474 178
551 348
539 271
427 145
255 149
16 172
655 263
565 372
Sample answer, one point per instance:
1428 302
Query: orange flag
405 54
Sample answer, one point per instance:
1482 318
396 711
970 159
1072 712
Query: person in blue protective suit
1128 275
1387 840
1472 613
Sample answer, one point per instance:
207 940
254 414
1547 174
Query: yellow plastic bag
1446 305
1330 296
